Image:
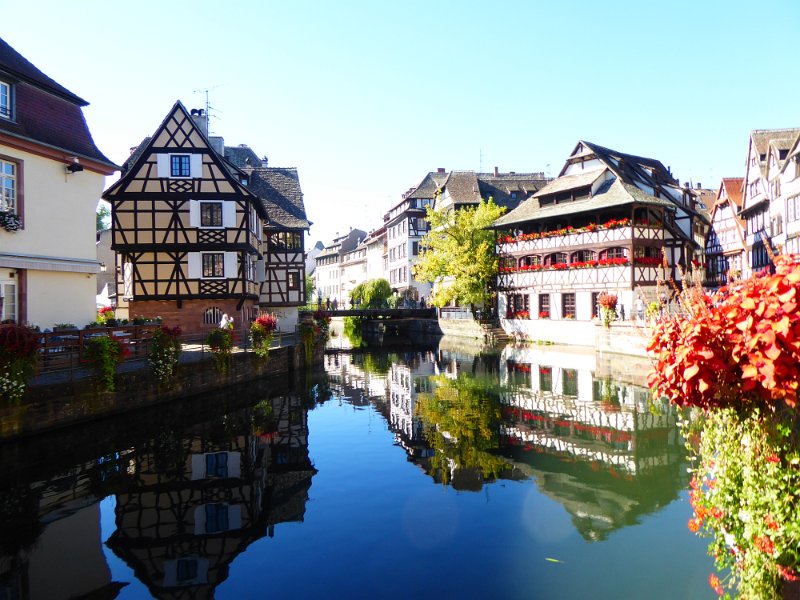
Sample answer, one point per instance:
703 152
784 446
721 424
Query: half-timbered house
601 226
284 287
762 206
330 266
725 247
187 230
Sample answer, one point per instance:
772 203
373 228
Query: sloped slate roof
280 194
781 138
45 111
430 184
612 193
242 156
13 63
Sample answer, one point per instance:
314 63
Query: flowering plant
731 359
18 351
568 230
220 342
104 353
314 332
261 332
544 314
165 352
582 264
608 307
10 221
520 314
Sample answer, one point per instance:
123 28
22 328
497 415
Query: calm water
429 474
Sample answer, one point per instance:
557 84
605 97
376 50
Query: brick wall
190 316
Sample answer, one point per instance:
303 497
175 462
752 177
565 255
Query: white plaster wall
56 297
589 165
59 209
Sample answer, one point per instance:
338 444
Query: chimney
264 161
699 186
218 144
440 170
496 172
200 119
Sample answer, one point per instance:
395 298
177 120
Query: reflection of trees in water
461 420
19 518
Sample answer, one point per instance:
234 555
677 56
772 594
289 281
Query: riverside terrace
384 313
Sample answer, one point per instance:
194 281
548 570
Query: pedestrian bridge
382 313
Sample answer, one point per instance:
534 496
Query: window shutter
229 213
196 165
261 271
195 270
194 213
231 260
162 164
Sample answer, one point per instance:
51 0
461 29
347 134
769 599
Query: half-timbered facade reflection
186 229
190 503
601 226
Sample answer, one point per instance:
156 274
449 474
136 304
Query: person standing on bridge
422 301
335 303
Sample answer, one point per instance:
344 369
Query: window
217 464
546 379
568 305
5 100
517 306
8 186
213 264
212 316
569 382
8 301
555 259
595 304
217 518
294 280
187 570
285 240
544 306
210 214
614 253
414 248
179 165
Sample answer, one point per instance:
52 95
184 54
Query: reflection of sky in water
377 525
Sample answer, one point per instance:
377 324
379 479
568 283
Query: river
429 472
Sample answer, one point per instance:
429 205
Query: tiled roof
430 184
570 182
13 63
280 194
135 154
763 138
734 189
609 194
463 187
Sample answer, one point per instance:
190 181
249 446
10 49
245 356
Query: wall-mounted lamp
74 166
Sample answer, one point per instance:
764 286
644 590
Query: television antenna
209 108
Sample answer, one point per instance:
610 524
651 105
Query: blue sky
364 98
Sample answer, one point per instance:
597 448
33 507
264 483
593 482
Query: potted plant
261 332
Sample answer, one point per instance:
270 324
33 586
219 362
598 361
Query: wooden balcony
601 237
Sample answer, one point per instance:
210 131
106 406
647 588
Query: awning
49 263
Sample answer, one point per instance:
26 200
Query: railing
65 351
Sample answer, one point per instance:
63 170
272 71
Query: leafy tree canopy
374 293
102 215
459 254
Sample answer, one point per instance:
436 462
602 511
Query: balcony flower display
585 264
544 314
568 230
649 261
261 332
10 221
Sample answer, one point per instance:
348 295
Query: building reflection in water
595 445
189 500
189 505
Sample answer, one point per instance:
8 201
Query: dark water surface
429 474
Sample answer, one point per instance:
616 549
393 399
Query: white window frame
4 206
164 165
8 300
6 101
230 263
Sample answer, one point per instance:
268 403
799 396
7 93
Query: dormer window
5 100
179 165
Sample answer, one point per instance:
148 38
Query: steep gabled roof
281 196
624 165
242 157
570 182
763 138
430 184
733 188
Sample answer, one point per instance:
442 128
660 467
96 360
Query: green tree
102 215
458 254
374 293
310 288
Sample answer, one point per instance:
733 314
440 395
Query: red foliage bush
739 348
